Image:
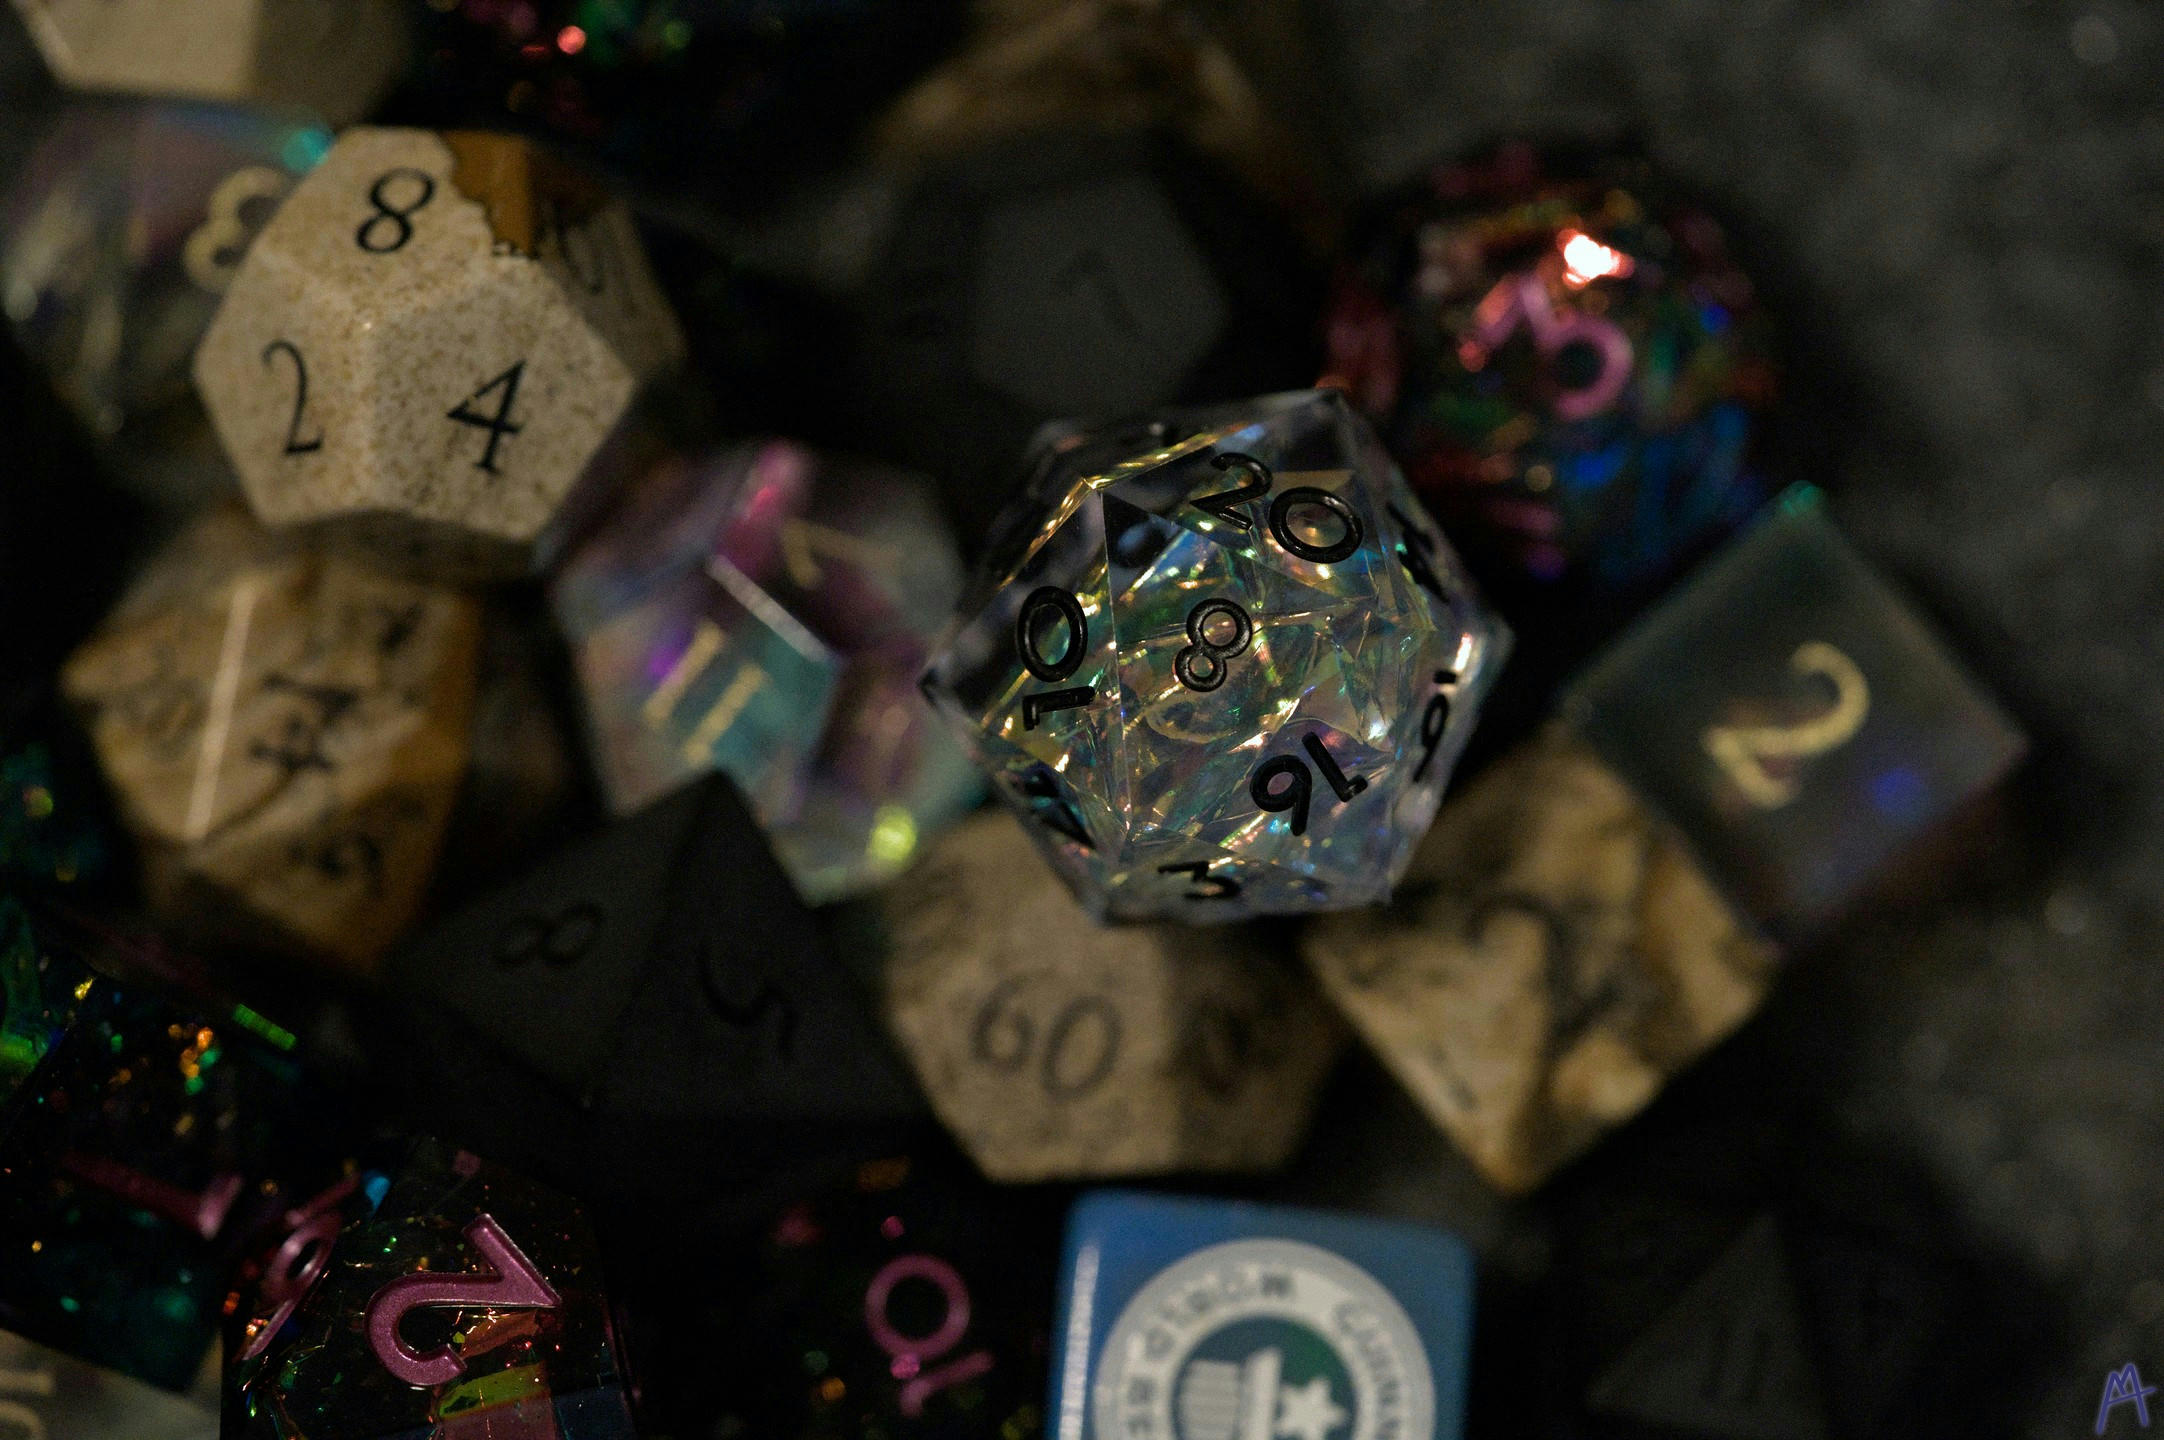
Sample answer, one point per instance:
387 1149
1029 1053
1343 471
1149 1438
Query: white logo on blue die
1187 1319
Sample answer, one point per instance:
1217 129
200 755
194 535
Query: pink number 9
284 1286
513 1283
1523 300
910 1352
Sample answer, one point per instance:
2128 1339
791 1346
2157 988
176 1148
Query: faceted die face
1054 1049
1795 718
1553 956
430 344
285 732
117 239
333 56
470 1302
1567 360
1222 662
766 613
1182 1316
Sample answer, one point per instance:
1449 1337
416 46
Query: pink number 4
514 1283
1522 300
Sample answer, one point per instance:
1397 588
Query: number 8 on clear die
1220 660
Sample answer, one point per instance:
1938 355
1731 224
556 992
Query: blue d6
1222 1320
1795 718
1220 661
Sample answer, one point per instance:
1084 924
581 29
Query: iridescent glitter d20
1567 360
765 612
116 241
1221 660
468 1305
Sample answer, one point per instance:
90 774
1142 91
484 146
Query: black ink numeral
1068 611
1433 722
1202 884
1297 795
294 444
1281 512
1040 787
1225 504
497 425
370 236
1203 665
1417 555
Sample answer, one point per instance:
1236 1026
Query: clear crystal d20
1222 660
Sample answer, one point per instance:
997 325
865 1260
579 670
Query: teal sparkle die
1220 660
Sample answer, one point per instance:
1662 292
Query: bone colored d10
285 732
1554 956
1055 1048
430 347
333 56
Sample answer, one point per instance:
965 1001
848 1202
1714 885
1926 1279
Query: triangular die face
1728 1358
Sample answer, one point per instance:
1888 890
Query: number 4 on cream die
1220 661
1795 718
1191 1319
429 346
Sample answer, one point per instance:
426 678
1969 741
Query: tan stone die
332 56
1055 1048
285 731
429 345
1553 956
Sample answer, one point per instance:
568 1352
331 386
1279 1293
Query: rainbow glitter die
1221 661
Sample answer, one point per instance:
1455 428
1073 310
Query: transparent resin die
765 612
1221 660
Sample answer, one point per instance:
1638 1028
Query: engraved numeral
497 425
1743 751
1043 602
511 1283
1296 796
1522 300
912 1352
1081 1045
294 444
1203 885
371 236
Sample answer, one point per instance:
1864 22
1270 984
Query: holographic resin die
1220 661
468 1306
1795 718
766 612
116 240
1565 358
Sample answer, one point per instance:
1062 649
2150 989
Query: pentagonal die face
285 732
766 612
1221 661
429 345
1058 1049
334 56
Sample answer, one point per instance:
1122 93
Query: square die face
1194 1319
1795 718
469 1304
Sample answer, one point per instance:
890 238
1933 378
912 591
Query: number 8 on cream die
429 346
1794 718
1190 1319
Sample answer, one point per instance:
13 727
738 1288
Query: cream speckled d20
285 731
1055 1048
1553 956
333 56
430 344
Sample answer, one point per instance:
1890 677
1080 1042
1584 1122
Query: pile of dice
637 776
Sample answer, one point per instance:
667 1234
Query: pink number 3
514 1283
